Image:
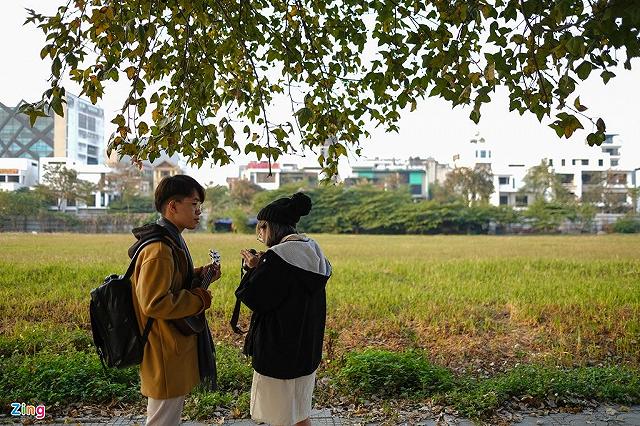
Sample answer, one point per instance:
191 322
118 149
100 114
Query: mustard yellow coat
169 367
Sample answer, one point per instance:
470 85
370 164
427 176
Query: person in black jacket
285 289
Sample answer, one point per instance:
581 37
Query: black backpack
116 334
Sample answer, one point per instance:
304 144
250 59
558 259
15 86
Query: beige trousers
164 412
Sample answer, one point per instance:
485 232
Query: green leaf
304 115
606 76
571 124
584 69
143 128
118 120
229 134
578 105
575 46
56 105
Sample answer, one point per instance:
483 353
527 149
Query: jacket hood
146 232
304 253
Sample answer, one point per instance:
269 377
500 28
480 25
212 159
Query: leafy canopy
204 74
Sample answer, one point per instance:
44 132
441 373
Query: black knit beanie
286 210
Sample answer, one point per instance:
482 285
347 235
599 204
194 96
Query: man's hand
210 269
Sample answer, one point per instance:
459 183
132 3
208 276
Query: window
563 162
504 200
503 180
614 163
15 179
265 178
483 154
415 189
551 162
573 162
522 200
600 163
591 178
565 178
585 162
3 178
489 154
92 150
617 179
476 154
92 160
86 122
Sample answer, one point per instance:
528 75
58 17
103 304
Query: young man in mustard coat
166 287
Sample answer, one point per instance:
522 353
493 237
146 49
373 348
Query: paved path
604 415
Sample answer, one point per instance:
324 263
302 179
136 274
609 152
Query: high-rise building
84 132
19 140
79 135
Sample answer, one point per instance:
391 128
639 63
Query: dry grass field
469 301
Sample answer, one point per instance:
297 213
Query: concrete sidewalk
602 416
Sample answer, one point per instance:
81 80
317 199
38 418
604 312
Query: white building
578 165
84 129
94 173
16 173
257 172
508 174
582 167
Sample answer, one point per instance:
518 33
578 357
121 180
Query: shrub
234 369
478 397
627 225
64 378
391 374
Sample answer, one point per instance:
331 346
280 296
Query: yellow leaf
490 72
131 72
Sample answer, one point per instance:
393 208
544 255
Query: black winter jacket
286 293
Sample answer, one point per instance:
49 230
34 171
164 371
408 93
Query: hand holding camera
250 258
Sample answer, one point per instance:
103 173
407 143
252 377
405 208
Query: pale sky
433 129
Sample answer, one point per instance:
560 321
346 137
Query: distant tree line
458 206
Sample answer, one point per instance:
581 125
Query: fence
103 224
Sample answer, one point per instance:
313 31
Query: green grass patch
33 338
477 397
64 378
389 374
410 375
52 365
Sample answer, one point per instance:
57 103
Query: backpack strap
132 265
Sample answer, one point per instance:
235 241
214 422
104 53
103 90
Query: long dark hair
277 231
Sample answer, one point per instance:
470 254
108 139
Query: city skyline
433 129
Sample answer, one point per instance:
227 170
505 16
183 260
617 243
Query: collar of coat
152 230
303 252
